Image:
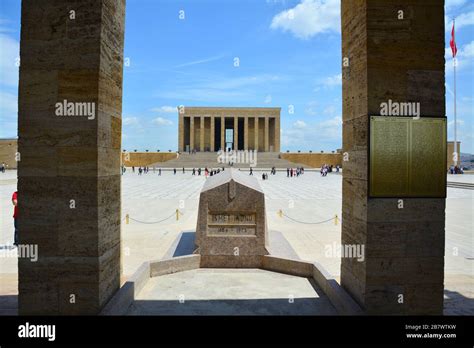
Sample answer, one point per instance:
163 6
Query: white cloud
215 89
458 122
160 121
463 57
166 109
464 20
200 61
329 135
333 122
311 108
330 110
268 99
309 18
299 124
9 53
332 81
467 51
130 121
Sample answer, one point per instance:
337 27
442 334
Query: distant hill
467 160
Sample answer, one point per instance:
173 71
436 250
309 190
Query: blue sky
288 53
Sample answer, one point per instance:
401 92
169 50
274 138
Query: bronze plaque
407 157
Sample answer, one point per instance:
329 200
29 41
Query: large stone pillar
180 132
401 60
223 133
69 174
236 132
267 132
256 133
201 134
212 118
277 134
191 132
246 133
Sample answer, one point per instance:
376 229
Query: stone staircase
209 159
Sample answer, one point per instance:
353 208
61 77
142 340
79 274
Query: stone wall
69 173
402 60
8 149
314 160
137 159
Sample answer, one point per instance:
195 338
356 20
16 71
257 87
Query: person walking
15 217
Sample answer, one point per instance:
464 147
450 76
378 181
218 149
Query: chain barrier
176 213
282 214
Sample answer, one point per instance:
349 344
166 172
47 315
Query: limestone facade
69 173
8 152
384 58
203 128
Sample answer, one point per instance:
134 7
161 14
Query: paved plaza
309 204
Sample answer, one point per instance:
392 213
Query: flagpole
455 118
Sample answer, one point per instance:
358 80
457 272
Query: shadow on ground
457 304
8 304
280 306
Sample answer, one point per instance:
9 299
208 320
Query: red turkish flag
452 43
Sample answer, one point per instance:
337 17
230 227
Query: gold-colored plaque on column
407 157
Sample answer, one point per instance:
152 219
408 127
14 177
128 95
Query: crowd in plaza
455 170
290 172
325 169
294 172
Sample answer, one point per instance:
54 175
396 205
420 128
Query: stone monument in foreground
232 227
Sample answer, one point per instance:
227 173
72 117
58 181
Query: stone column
256 133
236 132
212 133
277 134
246 133
201 134
180 132
403 265
191 132
69 174
267 132
223 133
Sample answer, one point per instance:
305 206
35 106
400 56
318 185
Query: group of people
456 170
326 168
207 172
294 172
142 170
